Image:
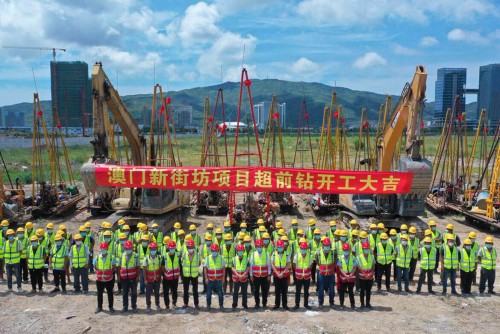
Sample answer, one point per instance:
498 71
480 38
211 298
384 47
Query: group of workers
347 260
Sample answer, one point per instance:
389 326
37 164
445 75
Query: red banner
255 179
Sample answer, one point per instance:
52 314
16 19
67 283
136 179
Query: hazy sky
360 44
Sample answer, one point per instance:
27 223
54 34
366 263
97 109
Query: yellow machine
391 208
146 201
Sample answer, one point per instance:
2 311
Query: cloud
468 36
234 6
304 66
427 41
369 59
401 50
199 24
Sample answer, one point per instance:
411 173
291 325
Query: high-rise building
450 83
261 111
183 115
73 90
489 93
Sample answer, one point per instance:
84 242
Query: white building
261 111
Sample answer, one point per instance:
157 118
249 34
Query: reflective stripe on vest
190 267
427 260
59 257
215 270
488 259
280 264
240 266
142 254
228 255
25 243
326 265
450 258
366 266
104 268
384 256
467 261
2 241
437 235
172 269
128 269
11 254
259 268
414 247
79 260
35 260
153 273
404 256
303 266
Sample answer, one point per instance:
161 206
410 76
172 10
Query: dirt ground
400 313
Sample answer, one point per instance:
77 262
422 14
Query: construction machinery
396 209
134 200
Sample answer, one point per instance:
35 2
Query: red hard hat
259 243
346 247
365 245
303 245
171 245
190 243
103 246
240 247
128 244
327 242
280 243
153 245
214 248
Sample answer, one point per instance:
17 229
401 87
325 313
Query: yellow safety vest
35 260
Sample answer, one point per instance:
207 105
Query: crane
54 50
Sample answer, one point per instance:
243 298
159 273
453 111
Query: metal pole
6 170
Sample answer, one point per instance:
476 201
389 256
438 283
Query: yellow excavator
393 210
110 199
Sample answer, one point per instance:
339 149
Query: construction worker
67 240
228 253
437 237
29 230
353 226
190 267
142 252
105 265
79 260
260 273
181 239
279 225
357 248
128 267
403 254
194 235
259 232
287 248
88 240
380 229
366 273
342 240
403 230
152 269
268 245
449 230
302 263
137 235
292 232
384 255
106 226
121 224
427 256
450 258
49 235
227 229
372 235
314 245
240 239
468 260
210 230
215 268
309 232
326 259
4 226
487 256
126 231
249 249
58 263
171 273
118 252
347 266
42 241
414 243
475 248
204 253
393 240
240 271
218 237
13 249
36 260
173 235
156 236
331 231
353 239
25 242
280 264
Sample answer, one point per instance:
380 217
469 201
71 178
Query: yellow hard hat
208 236
429 240
123 236
403 227
5 222
247 238
126 228
82 228
301 240
284 238
266 236
450 227
177 225
412 229
227 236
192 227
432 223
489 239
333 223
450 236
384 236
343 233
29 226
78 237
139 225
107 233
322 238
57 237
317 231
50 225
300 231
88 224
279 225
166 240
353 222
260 221
472 235
295 222
34 238
155 225
355 232
363 234
404 237
121 222
40 232
181 232
380 226
218 230
241 236
227 224
373 225
467 242
145 238
144 227
103 224
393 232
19 230
243 224
281 232
60 232
210 225
262 229
189 237
428 232
108 225
9 232
312 222
337 232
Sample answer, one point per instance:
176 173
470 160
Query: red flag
342 120
40 113
162 109
366 124
210 119
422 125
306 116
336 114
59 125
459 117
248 83
275 116
168 99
